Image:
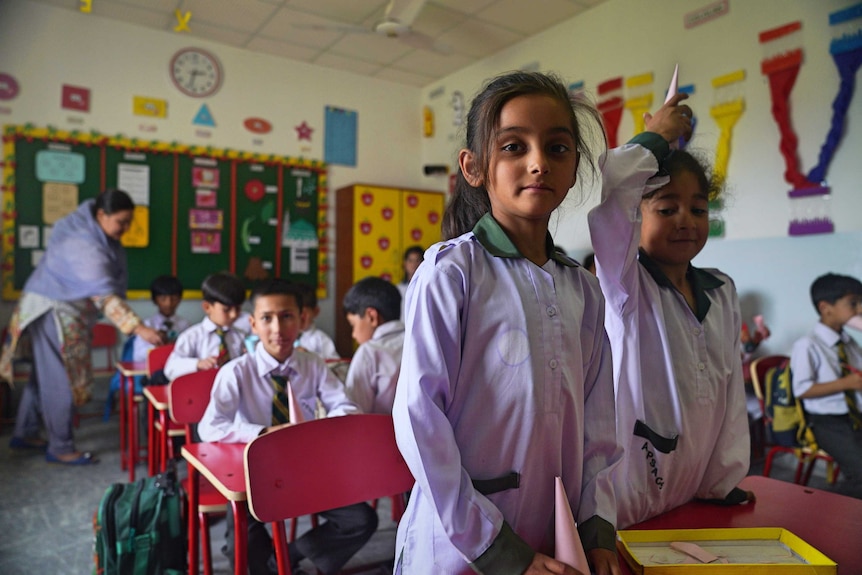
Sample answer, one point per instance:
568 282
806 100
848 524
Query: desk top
222 464
132 368
831 523
158 396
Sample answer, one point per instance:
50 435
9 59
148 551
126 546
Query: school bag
140 528
784 416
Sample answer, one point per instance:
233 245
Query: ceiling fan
397 21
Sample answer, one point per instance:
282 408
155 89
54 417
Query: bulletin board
197 209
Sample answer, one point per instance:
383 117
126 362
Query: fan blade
425 42
404 11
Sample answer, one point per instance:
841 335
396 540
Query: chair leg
767 466
206 552
797 477
809 469
293 522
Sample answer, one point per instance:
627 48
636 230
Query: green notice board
198 210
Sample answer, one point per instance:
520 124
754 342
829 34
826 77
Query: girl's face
533 160
411 264
675 221
116 224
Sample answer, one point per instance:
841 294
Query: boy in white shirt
311 338
212 342
167 293
243 405
373 308
826 368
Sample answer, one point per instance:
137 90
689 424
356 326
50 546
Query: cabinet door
422 215
377 227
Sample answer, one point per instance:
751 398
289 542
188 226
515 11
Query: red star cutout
303 131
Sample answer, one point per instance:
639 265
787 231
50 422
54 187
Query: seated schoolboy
310 337
212 342
167 293
373 309
242 406
825 370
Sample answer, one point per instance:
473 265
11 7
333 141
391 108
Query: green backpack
140 528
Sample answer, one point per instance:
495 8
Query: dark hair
590 261
309 295
680 161
469 204
278 286
112 201
224 288
832 287
374 292
418 250
165 285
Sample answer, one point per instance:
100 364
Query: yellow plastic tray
648 552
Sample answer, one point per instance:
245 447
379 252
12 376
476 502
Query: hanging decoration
86 6
182 20
610 106
639 98
303 131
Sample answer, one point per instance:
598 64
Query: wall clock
196 72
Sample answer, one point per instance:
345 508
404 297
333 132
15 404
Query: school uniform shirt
814 360
680 408
178 324
200 341
240 404
506 370
316 340
373 373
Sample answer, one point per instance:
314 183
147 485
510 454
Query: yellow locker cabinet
374 225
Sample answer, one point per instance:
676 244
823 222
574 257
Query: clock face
196 72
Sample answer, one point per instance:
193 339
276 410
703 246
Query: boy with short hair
311 338
243 405
373 309
825 370
211 343
166 292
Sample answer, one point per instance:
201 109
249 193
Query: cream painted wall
45 47
630 37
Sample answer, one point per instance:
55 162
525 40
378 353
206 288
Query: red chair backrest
340 461
104 335
759 367
189 396
158 357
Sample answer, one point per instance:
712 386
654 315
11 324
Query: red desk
129 444
157 439
223 465
831 523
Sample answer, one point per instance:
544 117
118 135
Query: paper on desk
567 543
293 406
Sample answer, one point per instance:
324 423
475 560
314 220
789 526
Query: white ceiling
471 29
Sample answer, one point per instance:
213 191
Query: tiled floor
46 511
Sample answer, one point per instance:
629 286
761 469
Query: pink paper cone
674 85
568 545
293 406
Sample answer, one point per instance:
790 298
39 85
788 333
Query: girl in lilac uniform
674 328
506 377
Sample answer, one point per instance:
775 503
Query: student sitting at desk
243 406
312 338
166 293
373 308
212 342
825 367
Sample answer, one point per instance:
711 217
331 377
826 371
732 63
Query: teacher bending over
82 273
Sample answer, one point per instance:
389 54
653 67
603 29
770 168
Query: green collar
701 281
494 239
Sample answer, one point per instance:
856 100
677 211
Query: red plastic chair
105 337
804 455
345 460
189 396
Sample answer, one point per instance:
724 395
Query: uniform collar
387 329
701 280
829 336
211 326
267 365
495 240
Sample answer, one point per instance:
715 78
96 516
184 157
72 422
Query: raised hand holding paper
671 92
567 543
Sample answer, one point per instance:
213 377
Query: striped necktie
223 353
849 394
280 402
